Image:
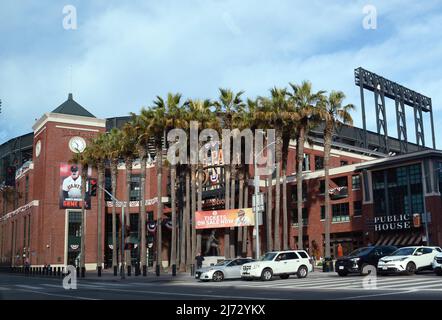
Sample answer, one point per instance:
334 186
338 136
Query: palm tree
142 124
305 104
334 115
226 107
112 151
97 161
128 145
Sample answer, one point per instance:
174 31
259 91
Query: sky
123 54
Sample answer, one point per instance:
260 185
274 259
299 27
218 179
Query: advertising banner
224 218
70 187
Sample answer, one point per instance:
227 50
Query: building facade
376 198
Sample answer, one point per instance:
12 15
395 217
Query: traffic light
93 187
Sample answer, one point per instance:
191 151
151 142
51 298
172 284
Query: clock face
77 144
38 148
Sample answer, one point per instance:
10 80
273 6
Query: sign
224 218
70 188
258 202
416 220
393 222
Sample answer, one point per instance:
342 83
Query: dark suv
358 259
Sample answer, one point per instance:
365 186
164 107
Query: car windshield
268 256
403 252
223 263
360 251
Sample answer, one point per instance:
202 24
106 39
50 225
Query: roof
71 107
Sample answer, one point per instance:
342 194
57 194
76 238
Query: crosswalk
394 283
53 286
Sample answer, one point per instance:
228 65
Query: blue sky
123 54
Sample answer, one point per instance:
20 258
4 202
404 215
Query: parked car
408 260
437 264
280 263
226 269
358 259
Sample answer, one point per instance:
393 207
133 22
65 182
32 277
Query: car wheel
266 274
411 268
438 272
342 273
218 276
284 276
302 272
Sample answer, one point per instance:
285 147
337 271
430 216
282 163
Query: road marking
58 295
376 295
4 289
417 285
28 287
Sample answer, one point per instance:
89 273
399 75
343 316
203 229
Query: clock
38 148
77 144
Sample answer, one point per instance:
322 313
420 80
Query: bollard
174 270
129 271
157 270
115 270
83 272
99 271
144 270
78 272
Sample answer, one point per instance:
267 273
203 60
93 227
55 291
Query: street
317 286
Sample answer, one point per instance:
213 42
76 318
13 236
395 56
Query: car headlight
355 260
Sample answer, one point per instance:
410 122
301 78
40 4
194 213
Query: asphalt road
317 286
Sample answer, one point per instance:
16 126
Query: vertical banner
224 218
70 187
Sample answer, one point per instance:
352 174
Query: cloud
123 55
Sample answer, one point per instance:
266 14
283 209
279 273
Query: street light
256 183
122 229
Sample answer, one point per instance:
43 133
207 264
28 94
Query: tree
226 107
334 115
305 105
112 152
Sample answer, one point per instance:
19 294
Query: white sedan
437 264
226 269
408 260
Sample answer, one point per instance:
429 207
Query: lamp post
122 230
256 183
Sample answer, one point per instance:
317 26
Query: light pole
122 229
427 234
256 183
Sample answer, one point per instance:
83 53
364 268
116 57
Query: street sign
258 202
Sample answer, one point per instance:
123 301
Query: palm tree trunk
227 205
193 202
187 225
184 224
327 149
159 208
245 229
83 220
173 254
127 253
114 165
200 205
100 216
300 158
285 228
277 245
241 205
269 214
142 217
232 206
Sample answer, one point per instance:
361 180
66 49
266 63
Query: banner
224 218
70 187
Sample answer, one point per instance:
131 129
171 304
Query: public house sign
392 222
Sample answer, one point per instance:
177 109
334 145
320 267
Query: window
357 208
322 187
291 256
319 162
295 192
27 189
304 217
306 162
303 254
322 212
135 188
340 212
356 182
344 163
108 186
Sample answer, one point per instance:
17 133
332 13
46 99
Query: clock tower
58 135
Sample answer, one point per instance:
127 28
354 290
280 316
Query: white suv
437 264
281 263
408 260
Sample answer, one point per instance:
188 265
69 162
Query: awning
380 239
399 240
